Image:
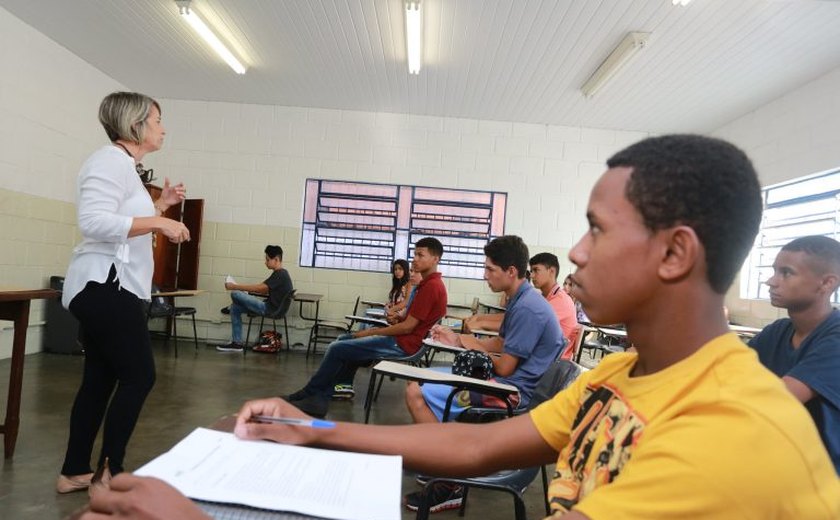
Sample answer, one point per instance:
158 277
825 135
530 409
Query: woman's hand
272 407
171 195
175 231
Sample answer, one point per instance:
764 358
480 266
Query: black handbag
473 363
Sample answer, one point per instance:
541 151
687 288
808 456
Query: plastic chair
160 308
558 376
279 313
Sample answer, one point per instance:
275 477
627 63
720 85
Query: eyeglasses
147 176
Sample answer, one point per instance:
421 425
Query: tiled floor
192 390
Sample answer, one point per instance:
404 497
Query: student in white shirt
108 277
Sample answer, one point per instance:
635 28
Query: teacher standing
109 276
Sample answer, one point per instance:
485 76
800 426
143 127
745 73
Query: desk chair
280 313
472 308
327 331
160 308
558 376
575 343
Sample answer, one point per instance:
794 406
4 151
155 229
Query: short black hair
825 250
548 260
506 251
432 244
701 182
274 252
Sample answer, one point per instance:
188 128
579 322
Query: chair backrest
285 303
158 305
574 343
558 376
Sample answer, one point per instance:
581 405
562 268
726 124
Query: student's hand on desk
445 335
141 498
272 407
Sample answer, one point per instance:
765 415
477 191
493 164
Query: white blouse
110 194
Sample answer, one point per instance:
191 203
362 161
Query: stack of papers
217 467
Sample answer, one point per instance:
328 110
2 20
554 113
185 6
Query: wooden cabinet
176 265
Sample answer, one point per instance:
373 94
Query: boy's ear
681 252
830 282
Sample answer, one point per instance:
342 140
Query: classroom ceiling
509 60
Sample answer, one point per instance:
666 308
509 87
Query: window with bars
801 207
365 226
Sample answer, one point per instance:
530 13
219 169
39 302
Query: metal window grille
366 226
801 207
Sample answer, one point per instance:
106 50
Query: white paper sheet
216 466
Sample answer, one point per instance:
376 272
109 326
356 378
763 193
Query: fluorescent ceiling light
680 2
212 40
629 46
413 35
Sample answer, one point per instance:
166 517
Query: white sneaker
229 279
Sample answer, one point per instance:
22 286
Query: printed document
217 467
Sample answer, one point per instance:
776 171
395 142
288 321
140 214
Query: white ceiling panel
508 60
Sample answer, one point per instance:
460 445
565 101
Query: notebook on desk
213 466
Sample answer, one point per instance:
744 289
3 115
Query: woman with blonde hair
109 277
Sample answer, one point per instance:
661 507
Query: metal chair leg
175 332
195 333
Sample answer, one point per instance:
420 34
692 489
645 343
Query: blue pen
312 423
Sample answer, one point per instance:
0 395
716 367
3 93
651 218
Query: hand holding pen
276 420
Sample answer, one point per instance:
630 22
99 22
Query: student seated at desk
396 313
544 267
529 338
804 349
350 351
568 287
277 287
690 426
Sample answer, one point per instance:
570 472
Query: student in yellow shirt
690 426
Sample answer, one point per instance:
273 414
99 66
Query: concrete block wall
48 125
795 135
249 163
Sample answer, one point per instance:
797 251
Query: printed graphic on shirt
603 435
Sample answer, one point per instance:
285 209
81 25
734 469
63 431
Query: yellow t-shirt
713 436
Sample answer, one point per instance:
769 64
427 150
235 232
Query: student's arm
397 329
799 389
505 364
260 288
450 449
484 322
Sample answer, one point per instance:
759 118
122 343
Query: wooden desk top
178 292
370 303
437 345
366 319
744 330
308 297
433 376
10 294
493 307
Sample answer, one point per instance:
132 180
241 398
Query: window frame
789 195
403 213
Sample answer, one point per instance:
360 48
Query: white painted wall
48 100
797 134
250 162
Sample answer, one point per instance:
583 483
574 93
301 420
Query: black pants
118 354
